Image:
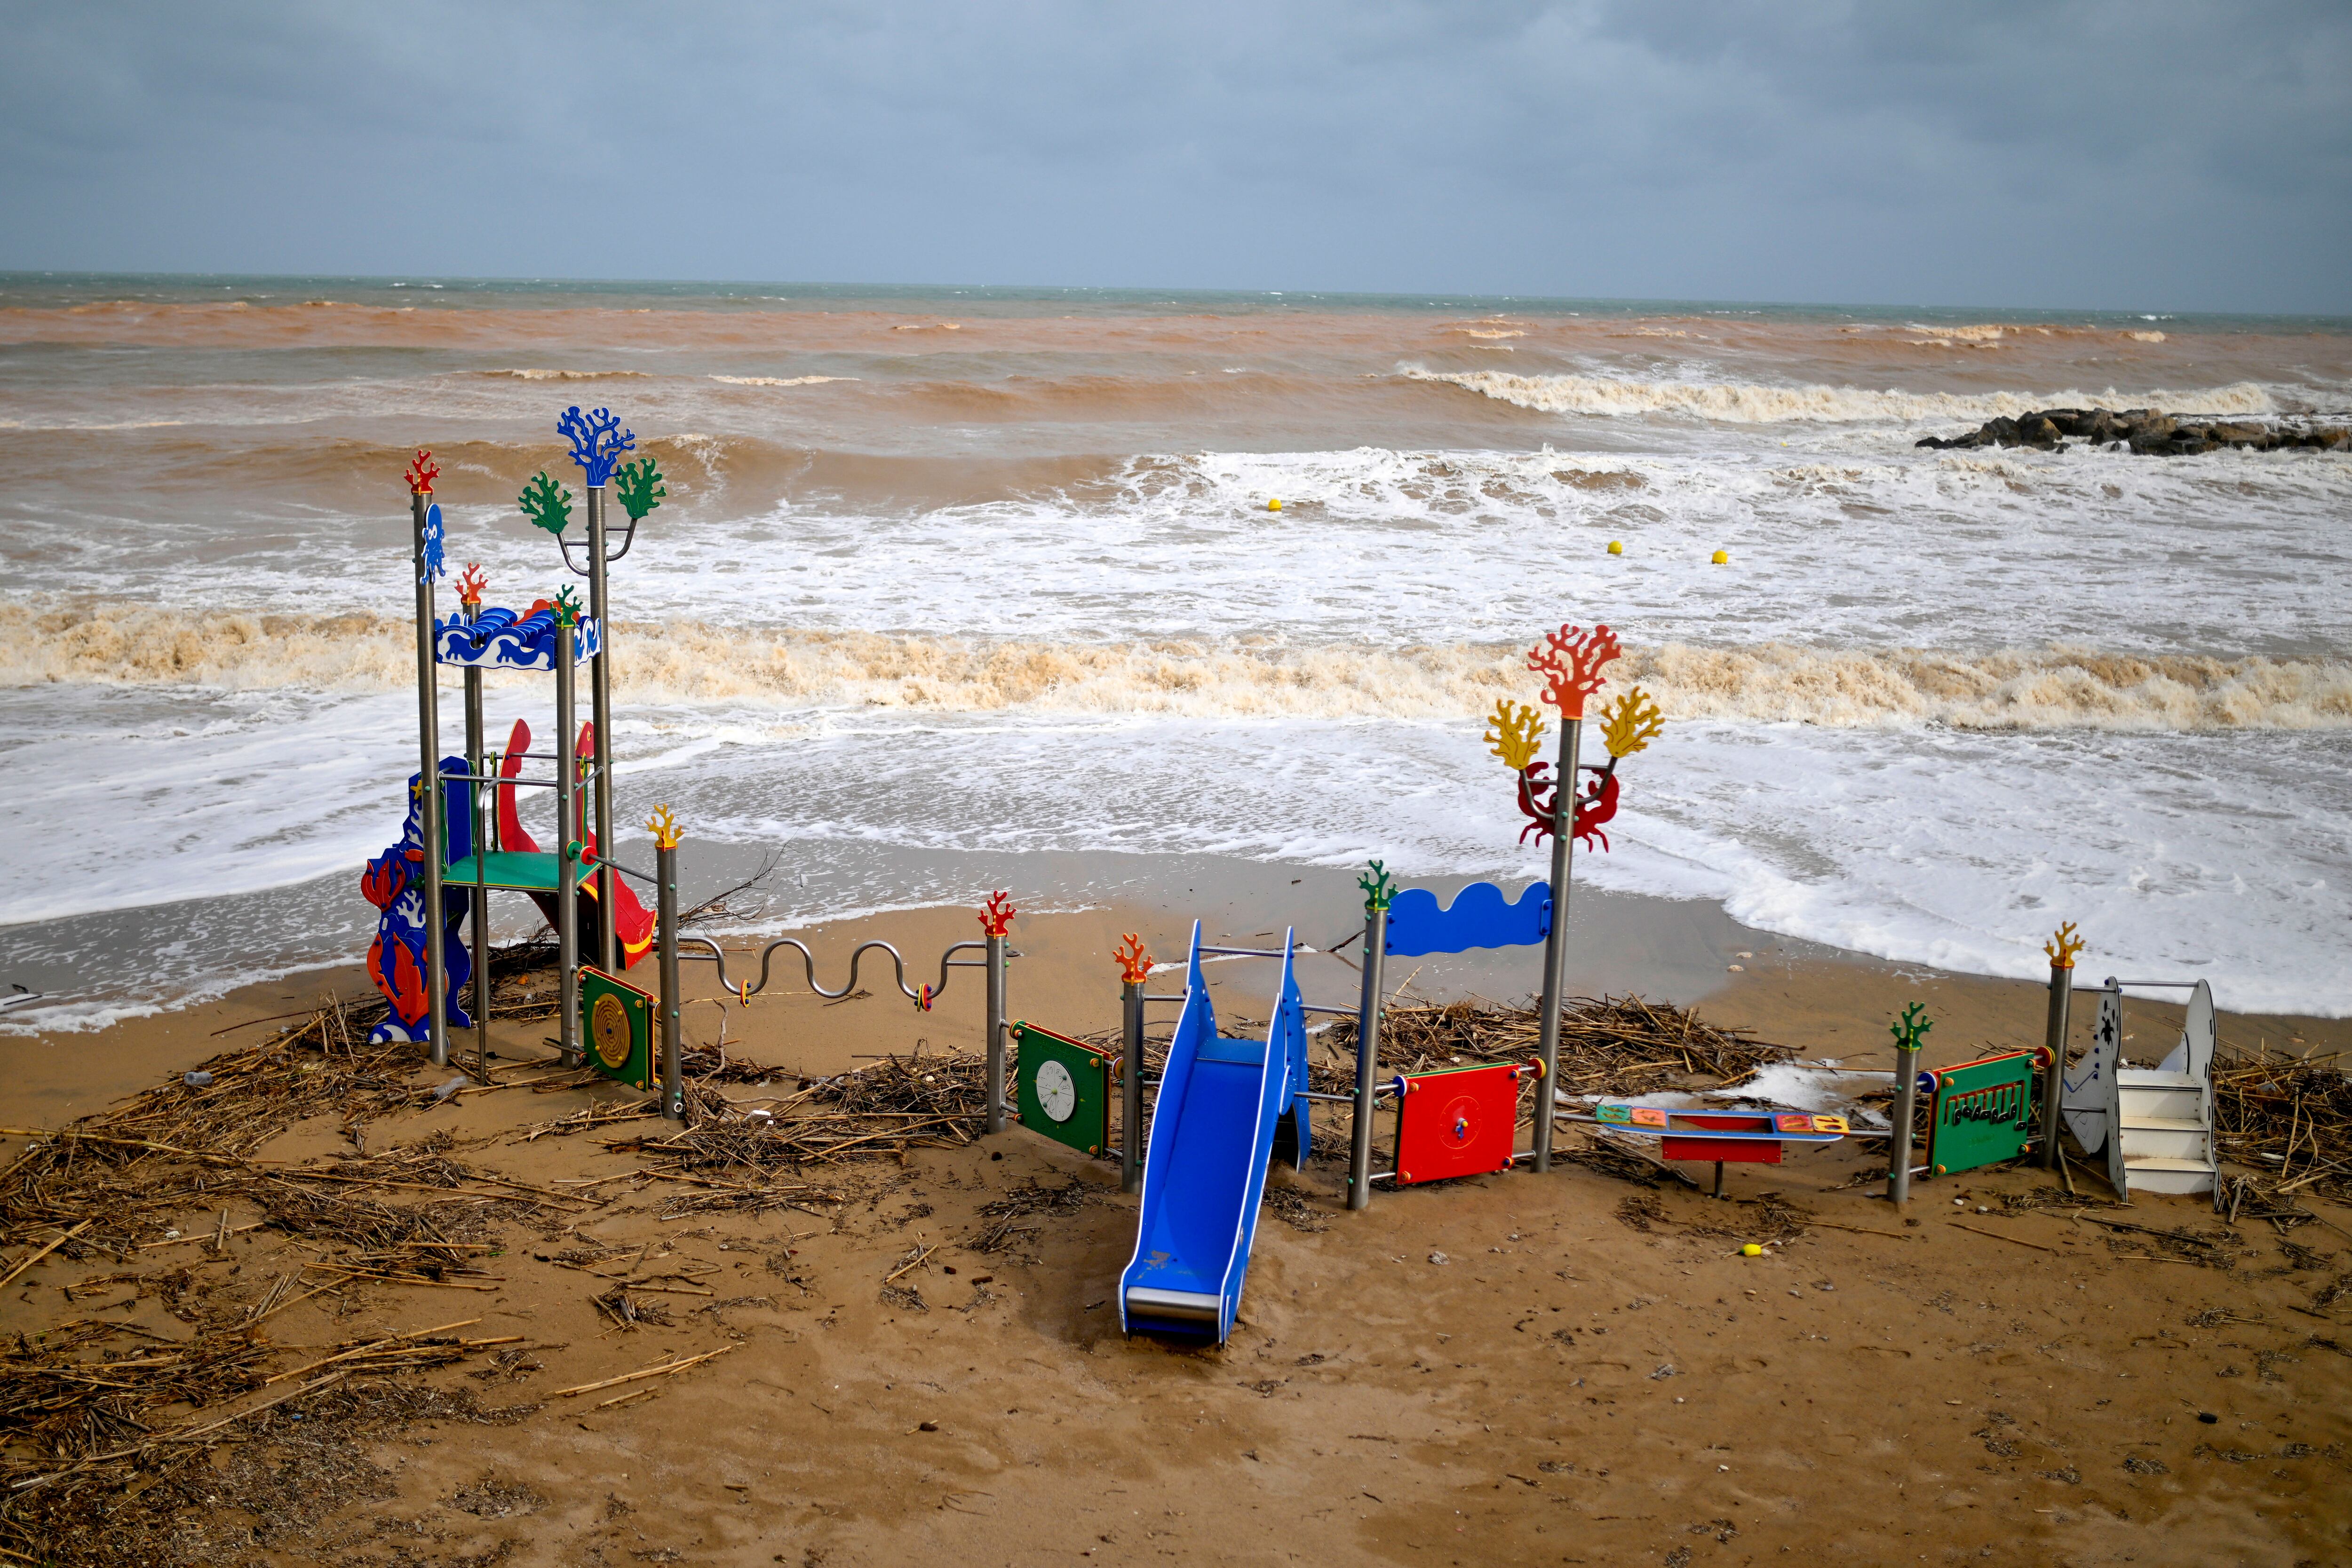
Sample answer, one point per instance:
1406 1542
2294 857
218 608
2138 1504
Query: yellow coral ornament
2063 946
1515 733
1630 723
664 827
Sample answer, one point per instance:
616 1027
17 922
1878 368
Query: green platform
514 871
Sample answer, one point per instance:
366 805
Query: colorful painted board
501 639
1981 1112
1461 1121
1730 1138
616 1023
1477 918
1062 1088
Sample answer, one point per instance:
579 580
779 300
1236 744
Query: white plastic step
2168 1175
2150 1078
2190 1145
2184 1105
2136 1124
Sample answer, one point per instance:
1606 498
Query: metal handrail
897 966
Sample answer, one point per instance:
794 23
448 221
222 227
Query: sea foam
2057 687
1751 404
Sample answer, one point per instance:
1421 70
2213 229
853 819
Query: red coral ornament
1571 660
997 918
422 473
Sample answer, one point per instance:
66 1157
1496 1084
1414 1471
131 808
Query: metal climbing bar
712 954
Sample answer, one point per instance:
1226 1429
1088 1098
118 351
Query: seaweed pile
1615 1045
2289 1117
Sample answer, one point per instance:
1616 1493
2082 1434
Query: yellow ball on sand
1616 547
1723 558
1274 504
1751 1250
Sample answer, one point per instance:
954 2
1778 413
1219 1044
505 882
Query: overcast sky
2140 156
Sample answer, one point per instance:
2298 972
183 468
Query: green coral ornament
1378 887
567 606
547 503
639 486
1911 1028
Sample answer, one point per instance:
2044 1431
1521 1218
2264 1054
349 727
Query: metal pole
1555 970
428 806
665 911
481 900
1898 1142
2062 997
995 1032
1368 1058
567 854
1131 1089
600 714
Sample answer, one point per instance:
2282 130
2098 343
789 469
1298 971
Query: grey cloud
2160 155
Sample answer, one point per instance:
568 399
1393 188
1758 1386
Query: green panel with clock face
1062 1088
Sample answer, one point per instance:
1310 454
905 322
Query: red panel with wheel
1460 1121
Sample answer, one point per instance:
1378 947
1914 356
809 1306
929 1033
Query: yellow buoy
1751 1250
1723 558
1274 504
1616 547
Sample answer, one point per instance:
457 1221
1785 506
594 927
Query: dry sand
1564 1368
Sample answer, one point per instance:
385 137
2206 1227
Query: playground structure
1226 1109
463 838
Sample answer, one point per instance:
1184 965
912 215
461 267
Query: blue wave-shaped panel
1479 919
501 639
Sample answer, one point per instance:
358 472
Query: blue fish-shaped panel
1479 919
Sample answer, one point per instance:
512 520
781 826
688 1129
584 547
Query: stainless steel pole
1555 970
1131 1087
1367 1056
665 911
567 850
2062 997
600 714
481 900
1898 1144
428 805
995 1032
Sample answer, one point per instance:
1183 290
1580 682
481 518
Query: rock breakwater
2145 431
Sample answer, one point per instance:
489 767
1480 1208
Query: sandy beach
1574 1367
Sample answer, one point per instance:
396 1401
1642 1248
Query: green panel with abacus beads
1981 1112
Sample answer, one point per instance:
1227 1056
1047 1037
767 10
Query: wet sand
1563 1368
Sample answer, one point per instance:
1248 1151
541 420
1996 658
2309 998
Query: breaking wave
780 381
1748 403
534 375
2052 688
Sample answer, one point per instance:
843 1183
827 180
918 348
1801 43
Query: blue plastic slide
1214 1131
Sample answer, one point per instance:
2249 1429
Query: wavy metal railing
922 998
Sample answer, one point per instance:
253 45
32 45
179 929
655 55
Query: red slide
633 922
